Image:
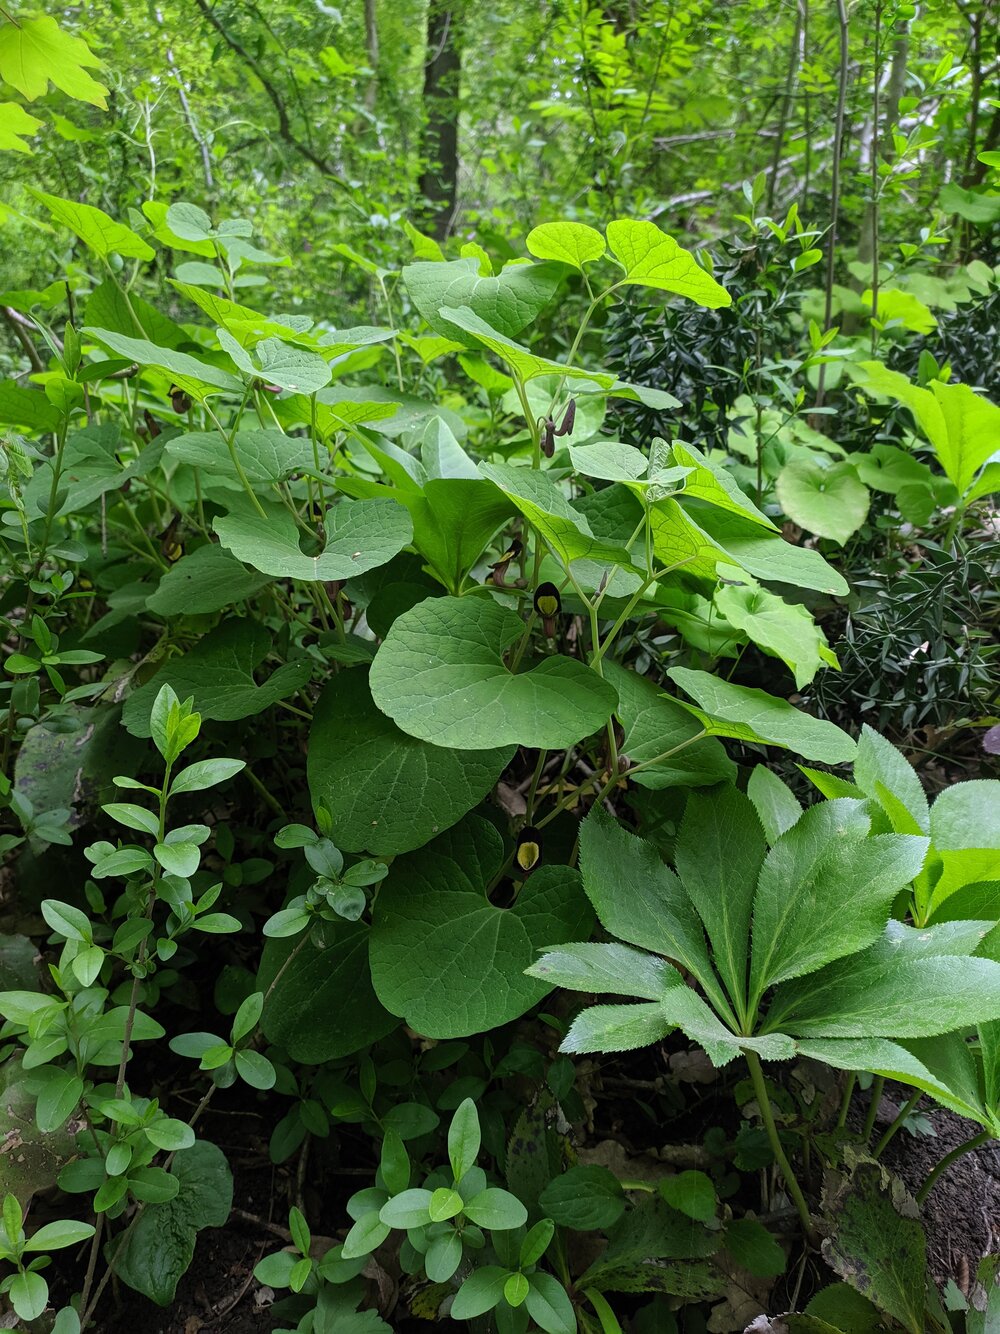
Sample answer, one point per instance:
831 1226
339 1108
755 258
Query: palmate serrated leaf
776 804
748 714
608 1028
610 968
640 900
884 774
382 789
868 996
443 956
16 126
440 676
825 891
651 258
360 535
965 833
943 1066
35 51
720 850
685 1009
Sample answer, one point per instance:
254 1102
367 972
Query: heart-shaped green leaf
508 302
386 791
444 957
219 673
360 535
440 676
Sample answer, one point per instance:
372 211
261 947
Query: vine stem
767 1116
976 1142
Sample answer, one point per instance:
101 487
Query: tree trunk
371 43
439 148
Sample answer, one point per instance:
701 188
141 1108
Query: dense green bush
371 688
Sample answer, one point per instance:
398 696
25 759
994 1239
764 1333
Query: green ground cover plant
437 730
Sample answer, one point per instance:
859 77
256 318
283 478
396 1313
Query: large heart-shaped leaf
454 518
508 302
572 243
155 1251
747 714
360 535
265 456
385 791
206 580
828 501
447 959
219 673
322 1007
440 676
783 629
651 258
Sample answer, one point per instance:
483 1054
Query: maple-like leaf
35 51
14 124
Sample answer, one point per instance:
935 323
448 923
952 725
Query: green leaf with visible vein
440 675
15 123
387 792
608 968
509 301
651 258
826 890
866 996
360 536
206 580
96 230
185 371
447 959
219 672
35 51
525 364
640 900
572 243
616 1028
747 714
545 507
656 725
265 456
720 850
